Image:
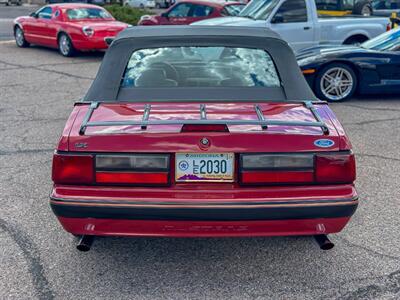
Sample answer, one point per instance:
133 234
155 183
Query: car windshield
87 13
385 4
234 9
259 9
387 41
200 67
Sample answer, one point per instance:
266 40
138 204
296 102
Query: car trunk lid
244 133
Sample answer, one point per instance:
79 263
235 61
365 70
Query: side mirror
164 15
277 19
33 15
109 40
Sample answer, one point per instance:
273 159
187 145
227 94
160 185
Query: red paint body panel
110 227
217 11
45 31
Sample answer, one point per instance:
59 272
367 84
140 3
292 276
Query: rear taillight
276 168
73 169
259 169
335 168
138 169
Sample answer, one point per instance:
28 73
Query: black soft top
107 85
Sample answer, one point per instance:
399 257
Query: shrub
127 14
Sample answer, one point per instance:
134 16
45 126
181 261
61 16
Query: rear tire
355 40
362 8
65 46
20 38
335 82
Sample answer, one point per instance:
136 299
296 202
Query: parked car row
335 72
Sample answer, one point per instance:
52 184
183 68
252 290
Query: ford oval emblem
324 143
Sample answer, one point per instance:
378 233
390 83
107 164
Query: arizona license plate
211 167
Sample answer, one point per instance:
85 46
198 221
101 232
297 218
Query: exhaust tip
85 243
324 242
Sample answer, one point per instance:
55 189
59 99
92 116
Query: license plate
206 167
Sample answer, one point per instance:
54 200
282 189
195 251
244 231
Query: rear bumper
124 218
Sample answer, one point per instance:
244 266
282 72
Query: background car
10 2
344 7
68 27
97 2
189 11
385 7
164 3
298 23
140 3
336 73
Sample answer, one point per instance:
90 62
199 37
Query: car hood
231 21
328 50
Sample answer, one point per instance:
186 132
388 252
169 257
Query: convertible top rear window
200 67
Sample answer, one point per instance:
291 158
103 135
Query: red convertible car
192 131
189 11
68 27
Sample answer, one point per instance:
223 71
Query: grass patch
127 14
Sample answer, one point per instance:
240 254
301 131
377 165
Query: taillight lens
137 169
325 168
132 177
132 162
72 169
277 168
335 168
277 161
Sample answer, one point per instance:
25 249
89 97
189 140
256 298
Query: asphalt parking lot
38 259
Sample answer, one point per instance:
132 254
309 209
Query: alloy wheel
19 37
336 83
366 11
65 45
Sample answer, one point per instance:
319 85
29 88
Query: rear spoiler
261 120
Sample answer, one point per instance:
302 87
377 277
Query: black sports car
337 72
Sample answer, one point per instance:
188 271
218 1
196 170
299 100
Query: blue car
336 73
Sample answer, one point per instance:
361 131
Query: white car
9 2
140 3
297 22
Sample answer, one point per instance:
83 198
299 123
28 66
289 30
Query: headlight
88 31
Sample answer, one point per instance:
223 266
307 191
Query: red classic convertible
68 27
192 131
